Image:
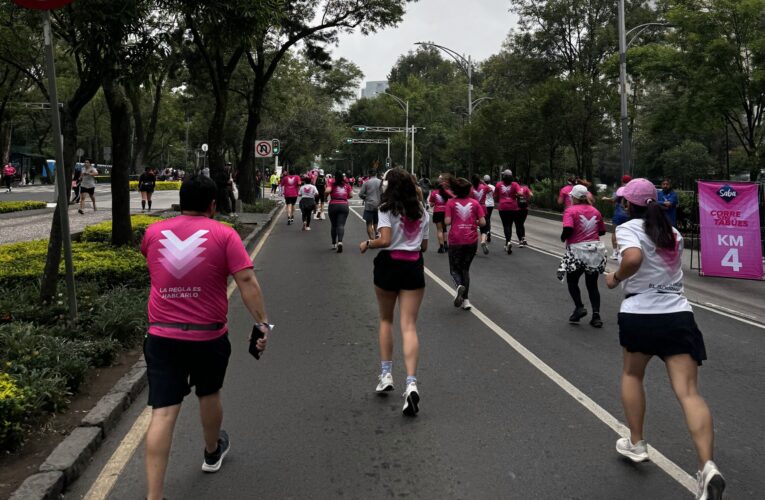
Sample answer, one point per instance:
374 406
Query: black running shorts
662 335
174 366
396 275
439 217
290 200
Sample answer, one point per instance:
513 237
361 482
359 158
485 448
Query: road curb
68 460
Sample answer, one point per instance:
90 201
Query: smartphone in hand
257 334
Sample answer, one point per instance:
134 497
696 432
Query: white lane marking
664 463
108 476
707 306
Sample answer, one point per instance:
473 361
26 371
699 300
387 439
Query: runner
88 185
655 319
8 172
620 216
524 197
290 185
308 194
190 258
465 215
399 275
321 186
146 183
489 206
585 254
505 196
370 192
274 180
437 200
482 192
339 191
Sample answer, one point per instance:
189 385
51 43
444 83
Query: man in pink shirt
290 187
190 258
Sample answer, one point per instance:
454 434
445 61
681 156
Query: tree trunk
144 135
248 189
117 102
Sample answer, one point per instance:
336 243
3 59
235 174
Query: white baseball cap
579 192
486 178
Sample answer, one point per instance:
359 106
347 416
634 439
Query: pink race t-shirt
290 184
437 201
506 195
464 213
190 259
481 193
565 193
586 221
340 194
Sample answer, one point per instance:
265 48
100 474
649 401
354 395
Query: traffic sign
263 148
42 4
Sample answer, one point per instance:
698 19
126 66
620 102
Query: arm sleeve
383 219
236 255
674 199
601 225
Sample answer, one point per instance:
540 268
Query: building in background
374 88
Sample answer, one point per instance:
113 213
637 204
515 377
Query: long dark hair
461 188
340 180
476 181
400 195
447 180
655 223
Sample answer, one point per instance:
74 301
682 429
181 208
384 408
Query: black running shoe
596 321
579 313
214 460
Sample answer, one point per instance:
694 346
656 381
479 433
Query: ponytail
656 224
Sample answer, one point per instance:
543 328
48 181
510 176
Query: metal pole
413 129
63 205
406 136
389 146
470 90
623 90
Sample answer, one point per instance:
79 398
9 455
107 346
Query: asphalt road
305 422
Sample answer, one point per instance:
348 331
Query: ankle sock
386 366
143 205
411 379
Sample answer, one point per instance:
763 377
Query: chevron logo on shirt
464 211
588 225
180 257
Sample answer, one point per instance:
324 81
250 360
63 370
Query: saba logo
727 193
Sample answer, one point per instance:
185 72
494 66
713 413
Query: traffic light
349 141
360 128
275 148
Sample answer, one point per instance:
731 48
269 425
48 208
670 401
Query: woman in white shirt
656 319
307 194
399 275
88 185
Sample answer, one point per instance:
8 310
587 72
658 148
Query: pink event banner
730 230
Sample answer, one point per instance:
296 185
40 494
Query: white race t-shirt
405 234
490 196
658 284
308 191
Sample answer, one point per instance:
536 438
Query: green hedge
159 186
102 232
260 206
18 206
25 261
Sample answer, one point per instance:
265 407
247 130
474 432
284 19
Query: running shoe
214 460
596 321
411 400
509 248
339 247
441 249
615 255
579 313
334 246
485 248
466 305
637 452
308 228
80 211
385 383
710 483
289 221
459 296
523 243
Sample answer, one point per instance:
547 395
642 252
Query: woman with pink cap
656 319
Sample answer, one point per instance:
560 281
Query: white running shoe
466 305
709 483
615 255
411 400
637 452
334 246
385 383
458 297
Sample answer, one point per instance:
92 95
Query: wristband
369 244
267 325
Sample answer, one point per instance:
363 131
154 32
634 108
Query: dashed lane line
111 472
668 466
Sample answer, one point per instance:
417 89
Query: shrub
159 186
24 262
119 314
14 405
259 207
103 179
102 232
18 206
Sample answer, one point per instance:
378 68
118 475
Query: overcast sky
474 27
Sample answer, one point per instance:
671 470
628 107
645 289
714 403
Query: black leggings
591 280
460 258
8 181
306 210
338 213
487 228
517 217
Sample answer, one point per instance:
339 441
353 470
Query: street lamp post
405 106
465 64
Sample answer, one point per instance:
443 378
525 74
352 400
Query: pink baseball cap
639 192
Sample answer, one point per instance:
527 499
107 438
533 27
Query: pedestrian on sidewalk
190 258
465 215
146 183
274 181
482 192
290 185
506 198
585 254
8 172
655 319
32 174
668 200
370 192
399 275
308 194
437 201
339 191
88 185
